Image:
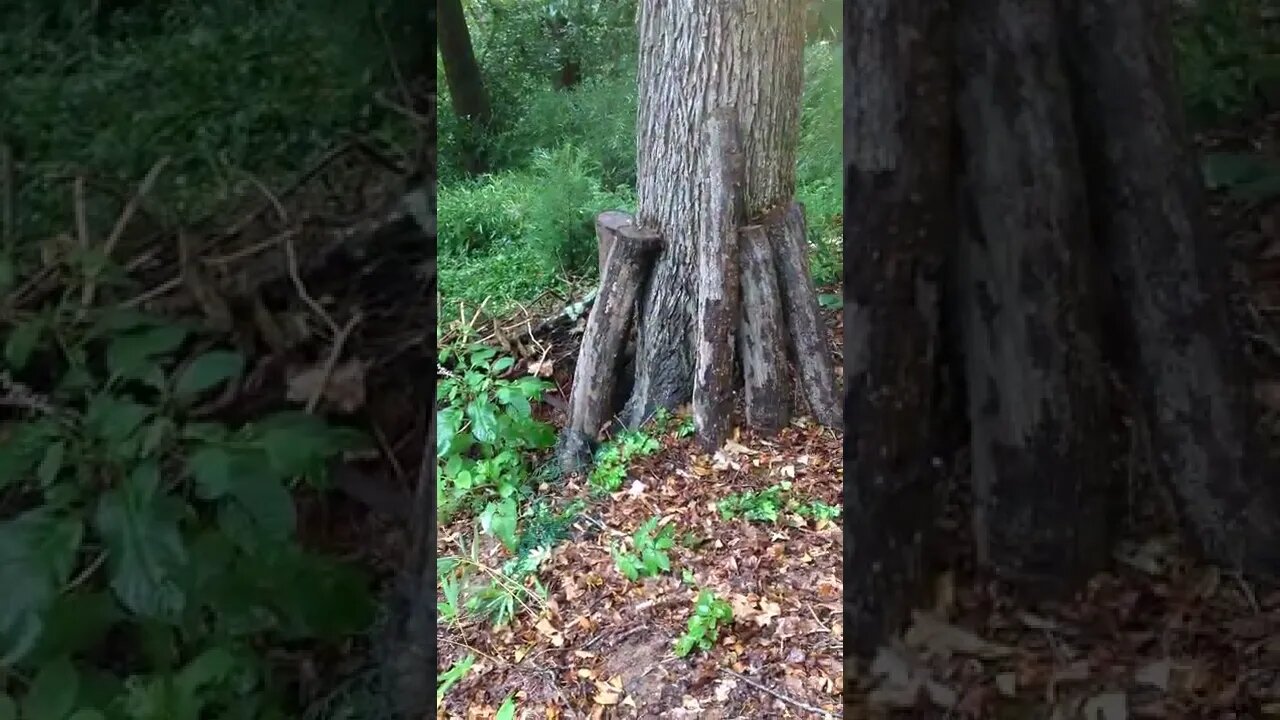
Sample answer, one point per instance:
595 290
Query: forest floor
601 645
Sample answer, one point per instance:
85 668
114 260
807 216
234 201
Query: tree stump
814 365
630 254
718 290
762 334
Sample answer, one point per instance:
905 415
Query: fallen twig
298 182
301 288
117 231
778 695
331 362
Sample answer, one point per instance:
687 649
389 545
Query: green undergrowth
507 236
227 90
770 504
149 553
1229 59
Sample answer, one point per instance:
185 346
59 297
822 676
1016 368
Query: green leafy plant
710 615
650 557
818 510
485 430
614 458
1228 57
761 505
469 588
769 504
140 525
447 679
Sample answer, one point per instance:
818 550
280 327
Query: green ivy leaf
208 371
508 709
8 710
211 667
24 448
76 622
297 443
211 468
87 714
317 596
448 423
51 465
22 342
138 523
37 554
517 403
53 691
499 519
267 501
113 420
131 355
484 420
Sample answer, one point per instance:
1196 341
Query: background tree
465 81
717 130
1071 201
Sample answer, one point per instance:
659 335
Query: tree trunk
463 76
699 61
1075 192
1185 356
899 219
1036 394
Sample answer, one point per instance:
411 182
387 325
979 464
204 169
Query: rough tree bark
462 74
898 228
743 63
1073 184
591 401
1035 378
1185 356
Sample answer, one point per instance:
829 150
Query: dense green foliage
156 551
558 156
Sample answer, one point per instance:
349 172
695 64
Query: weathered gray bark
1172 276
899 226
591 400
815 367
697 59
1041 472
1072 162
718 290
762 338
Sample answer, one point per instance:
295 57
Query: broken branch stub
761 334
815 367
626 267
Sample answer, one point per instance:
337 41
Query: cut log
718 291
607 225
591 400
814 365
762 334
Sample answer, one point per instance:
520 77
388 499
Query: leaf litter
602 646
